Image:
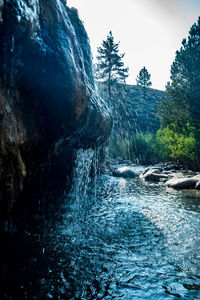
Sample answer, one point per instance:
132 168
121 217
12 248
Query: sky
149 31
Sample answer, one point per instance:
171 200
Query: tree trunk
109 85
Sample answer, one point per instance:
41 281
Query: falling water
86 161
78 202
82 170
12 44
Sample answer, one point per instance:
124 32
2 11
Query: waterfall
84 178
83 192
82 171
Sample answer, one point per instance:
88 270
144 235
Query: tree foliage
179 111
110 67
182 103
143 80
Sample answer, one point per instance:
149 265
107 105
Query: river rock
125 172
153 174
182 183
197 177
170 167
153 170
197 186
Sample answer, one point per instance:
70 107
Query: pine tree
179 111
143 80
110 68
182 104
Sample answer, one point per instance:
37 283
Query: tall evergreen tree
143 80
110 68
179 112
182 103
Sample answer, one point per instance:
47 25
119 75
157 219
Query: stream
125 239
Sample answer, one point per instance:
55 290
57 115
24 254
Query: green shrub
119 149
180 144
140 148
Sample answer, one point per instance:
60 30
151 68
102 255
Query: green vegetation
167 144
179 111
110 68
180 144
141 148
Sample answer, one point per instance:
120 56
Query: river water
125 239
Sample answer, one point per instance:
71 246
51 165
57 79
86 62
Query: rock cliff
48 103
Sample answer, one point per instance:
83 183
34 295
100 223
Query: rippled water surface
128 240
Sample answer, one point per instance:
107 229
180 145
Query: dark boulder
171 167
48 103
125 172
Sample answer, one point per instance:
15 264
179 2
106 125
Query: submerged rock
125 172
48 103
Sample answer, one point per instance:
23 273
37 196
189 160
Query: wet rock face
48 106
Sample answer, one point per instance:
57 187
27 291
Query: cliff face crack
47 95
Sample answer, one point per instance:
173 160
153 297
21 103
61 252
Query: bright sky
149 31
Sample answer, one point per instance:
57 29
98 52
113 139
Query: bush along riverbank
168 144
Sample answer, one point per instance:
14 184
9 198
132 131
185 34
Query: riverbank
170 175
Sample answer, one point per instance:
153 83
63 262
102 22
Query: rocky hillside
132 113
48 104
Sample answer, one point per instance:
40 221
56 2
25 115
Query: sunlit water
128 240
